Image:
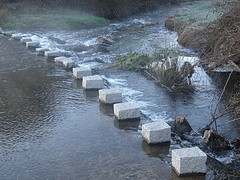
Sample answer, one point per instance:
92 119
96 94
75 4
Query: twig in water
217 105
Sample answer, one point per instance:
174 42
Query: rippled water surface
50 128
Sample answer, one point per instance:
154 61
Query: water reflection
77 84
91 95
194 177
106 109
156 150
132 124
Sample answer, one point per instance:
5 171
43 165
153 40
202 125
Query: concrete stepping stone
41 51
80 72
92 82
126 111
156 132
25 39
110 96
33 44
53 54
16 37
65 62
188 161
5 33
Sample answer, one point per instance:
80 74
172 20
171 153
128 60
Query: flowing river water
50 128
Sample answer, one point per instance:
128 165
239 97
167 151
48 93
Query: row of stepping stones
185 161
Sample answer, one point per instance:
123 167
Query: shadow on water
106 109
196 177
156 150
127 125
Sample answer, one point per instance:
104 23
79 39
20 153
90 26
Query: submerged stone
156 132
41 51
104 40
101 48
188 161
126 111
80 48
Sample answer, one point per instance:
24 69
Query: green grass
197 13
52 19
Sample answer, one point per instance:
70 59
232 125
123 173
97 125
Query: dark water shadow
132 124
106 109
91 94
77 84
190 177
156 150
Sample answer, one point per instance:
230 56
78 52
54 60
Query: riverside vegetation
212 27
163 66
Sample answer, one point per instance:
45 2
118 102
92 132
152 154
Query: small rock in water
102 48
57 40
104 40
181 125
1 30
214 140
80 48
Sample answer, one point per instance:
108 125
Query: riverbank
70 15
29 17
212 29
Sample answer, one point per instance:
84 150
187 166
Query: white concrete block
33 44
92 82
187 161
127 110
80 72
53 54
25 39
41 51
16 36
65 62
110 96
156 132
5 33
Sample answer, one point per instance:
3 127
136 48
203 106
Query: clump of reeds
162 66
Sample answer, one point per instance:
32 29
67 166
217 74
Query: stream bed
50 128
